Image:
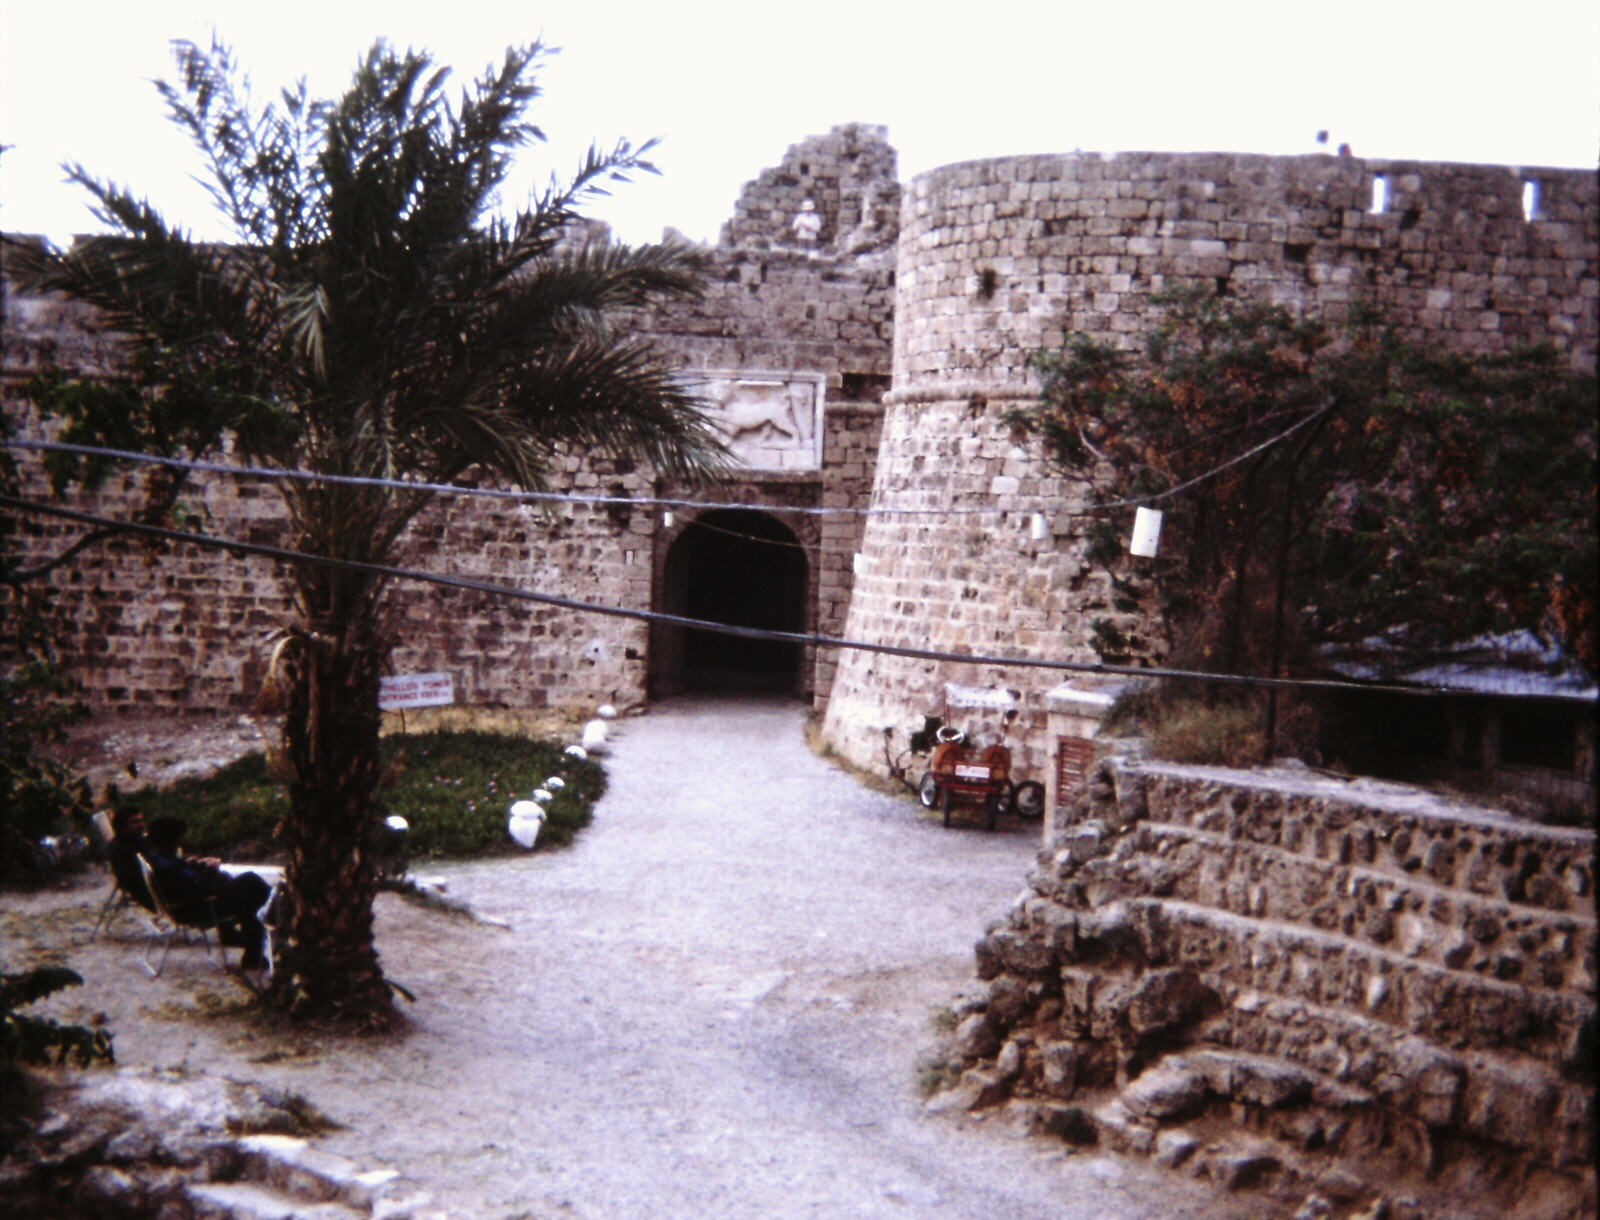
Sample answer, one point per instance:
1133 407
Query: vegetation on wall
1352 485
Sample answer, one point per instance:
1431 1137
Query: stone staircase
1349 995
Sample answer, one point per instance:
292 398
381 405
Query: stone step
1422 920
297 1167
1389 828
253 1201
1271 1054
283 1167
1241 954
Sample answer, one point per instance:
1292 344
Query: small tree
38 797
1350 483
373 318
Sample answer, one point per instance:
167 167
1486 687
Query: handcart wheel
944 806
1027 799
928 790
993 805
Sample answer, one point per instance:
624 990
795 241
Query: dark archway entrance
740 567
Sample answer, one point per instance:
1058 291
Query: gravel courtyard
712 1005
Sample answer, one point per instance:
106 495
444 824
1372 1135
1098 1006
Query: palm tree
373 317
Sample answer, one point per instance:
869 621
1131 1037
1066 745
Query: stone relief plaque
771 421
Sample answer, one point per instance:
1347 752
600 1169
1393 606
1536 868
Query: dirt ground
713 1004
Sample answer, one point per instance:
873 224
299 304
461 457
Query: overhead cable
275 472
469 584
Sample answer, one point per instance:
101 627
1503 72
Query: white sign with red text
416 690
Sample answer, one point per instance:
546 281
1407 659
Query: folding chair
165 926
118 898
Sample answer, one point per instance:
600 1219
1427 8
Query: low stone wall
1351 991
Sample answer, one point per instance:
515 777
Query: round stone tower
999 259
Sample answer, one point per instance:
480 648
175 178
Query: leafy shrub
454 789
26 1039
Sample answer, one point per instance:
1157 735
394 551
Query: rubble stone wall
1352 990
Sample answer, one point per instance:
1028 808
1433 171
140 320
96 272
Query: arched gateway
744 568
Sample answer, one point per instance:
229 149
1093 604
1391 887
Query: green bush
454 789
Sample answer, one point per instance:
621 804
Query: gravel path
711 1006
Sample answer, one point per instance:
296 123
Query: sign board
416 690
992 698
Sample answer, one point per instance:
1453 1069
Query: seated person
198 892
127 844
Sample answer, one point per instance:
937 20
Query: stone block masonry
1001 259
1363 990
178 628
940 293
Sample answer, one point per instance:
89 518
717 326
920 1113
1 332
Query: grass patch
454 789
1227 735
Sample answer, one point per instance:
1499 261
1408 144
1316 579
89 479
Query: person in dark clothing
128 843
200 893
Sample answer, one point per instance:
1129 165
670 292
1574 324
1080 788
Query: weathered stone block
1268 1084
1009 998
1165 1092
1077 998
1058 1065
1022 953
1122 1131
975 1037
1239 1169
1166 999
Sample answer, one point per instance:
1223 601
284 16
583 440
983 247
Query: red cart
963 772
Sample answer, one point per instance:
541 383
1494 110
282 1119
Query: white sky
729 86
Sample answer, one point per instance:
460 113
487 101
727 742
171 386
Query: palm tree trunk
329 965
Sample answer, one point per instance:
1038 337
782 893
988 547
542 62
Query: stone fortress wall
944 288
1000 259
193 630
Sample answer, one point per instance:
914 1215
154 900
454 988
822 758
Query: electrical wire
700 523
271 472
285 555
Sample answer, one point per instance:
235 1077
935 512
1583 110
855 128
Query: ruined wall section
1351 990
849 175
1001 259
